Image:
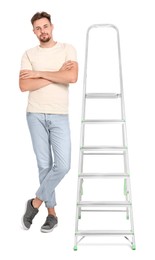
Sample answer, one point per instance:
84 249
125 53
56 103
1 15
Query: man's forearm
32 84
62 77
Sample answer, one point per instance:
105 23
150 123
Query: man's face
43 29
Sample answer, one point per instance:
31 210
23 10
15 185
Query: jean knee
63 169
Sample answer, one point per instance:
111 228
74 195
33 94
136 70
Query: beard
44 38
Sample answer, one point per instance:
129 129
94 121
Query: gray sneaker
50 223
29 214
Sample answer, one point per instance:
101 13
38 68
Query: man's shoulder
67 45
32 50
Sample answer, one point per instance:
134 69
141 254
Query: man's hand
29 74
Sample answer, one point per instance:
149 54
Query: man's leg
42 148
46 131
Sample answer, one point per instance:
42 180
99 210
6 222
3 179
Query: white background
135 20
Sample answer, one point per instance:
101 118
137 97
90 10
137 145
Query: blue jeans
50 136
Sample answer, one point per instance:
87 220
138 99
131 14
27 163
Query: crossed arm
30 80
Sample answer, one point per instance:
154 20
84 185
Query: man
46 71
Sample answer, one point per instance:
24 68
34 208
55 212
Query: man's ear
33 31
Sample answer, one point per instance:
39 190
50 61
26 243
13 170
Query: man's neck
49 44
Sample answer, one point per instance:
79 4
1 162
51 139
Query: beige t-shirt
52 99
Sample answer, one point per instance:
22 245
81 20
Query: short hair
40 15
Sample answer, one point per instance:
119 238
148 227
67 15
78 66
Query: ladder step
103 175
103 203
101 153
103 121
103 148
103 232
102 95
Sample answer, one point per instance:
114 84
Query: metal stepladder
103 151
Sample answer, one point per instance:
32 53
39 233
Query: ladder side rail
80 168
125 142
131 213
82 132
124 130
84 90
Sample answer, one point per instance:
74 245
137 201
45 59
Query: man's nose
42 30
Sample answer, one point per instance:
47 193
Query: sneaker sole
48 230
23 225
22 222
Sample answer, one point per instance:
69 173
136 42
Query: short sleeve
25 62
71 53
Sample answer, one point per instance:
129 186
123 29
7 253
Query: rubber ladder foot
75 248
133 247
